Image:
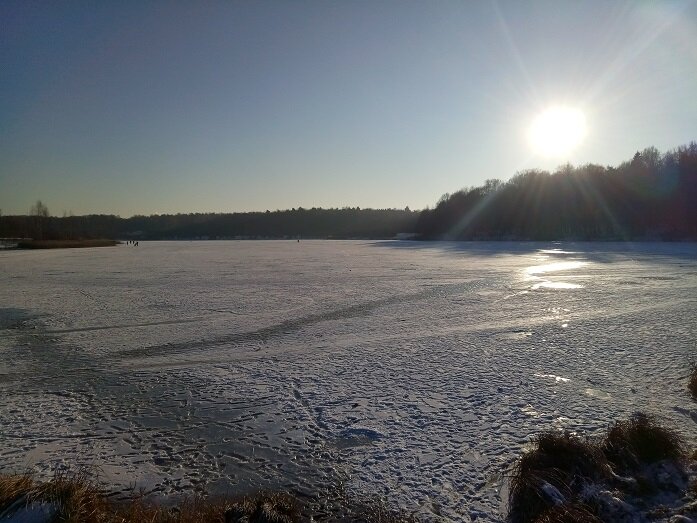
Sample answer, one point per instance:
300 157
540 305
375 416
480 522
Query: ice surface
417 371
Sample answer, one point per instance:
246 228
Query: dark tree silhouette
39 214
651 197
306 223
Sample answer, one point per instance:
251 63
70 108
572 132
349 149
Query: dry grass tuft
641 440
191 510
375 511
549 483
568 513
560 460
264 508
79 500
76 498
14 487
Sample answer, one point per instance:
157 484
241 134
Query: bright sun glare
557 131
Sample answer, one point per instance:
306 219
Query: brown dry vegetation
561 460
13 488
548 482
74 496
546 486
79 500
640 440
372 511
568 513
260 508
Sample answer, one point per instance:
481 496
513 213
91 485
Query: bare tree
39 209
39 214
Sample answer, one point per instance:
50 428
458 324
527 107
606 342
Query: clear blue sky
134 107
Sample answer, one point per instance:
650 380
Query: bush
639 441
556 469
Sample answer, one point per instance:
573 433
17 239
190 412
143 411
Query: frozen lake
417 371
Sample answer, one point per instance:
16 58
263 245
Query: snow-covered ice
415 371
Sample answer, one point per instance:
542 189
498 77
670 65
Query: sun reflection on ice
534 273
556 285
554 267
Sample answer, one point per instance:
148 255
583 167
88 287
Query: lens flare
557 131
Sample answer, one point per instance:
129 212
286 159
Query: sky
137 107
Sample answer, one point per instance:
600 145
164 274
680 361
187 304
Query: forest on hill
651 197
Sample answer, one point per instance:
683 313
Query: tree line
651 197
294 223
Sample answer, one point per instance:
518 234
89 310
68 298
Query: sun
557 131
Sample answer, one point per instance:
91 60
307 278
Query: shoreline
65 244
